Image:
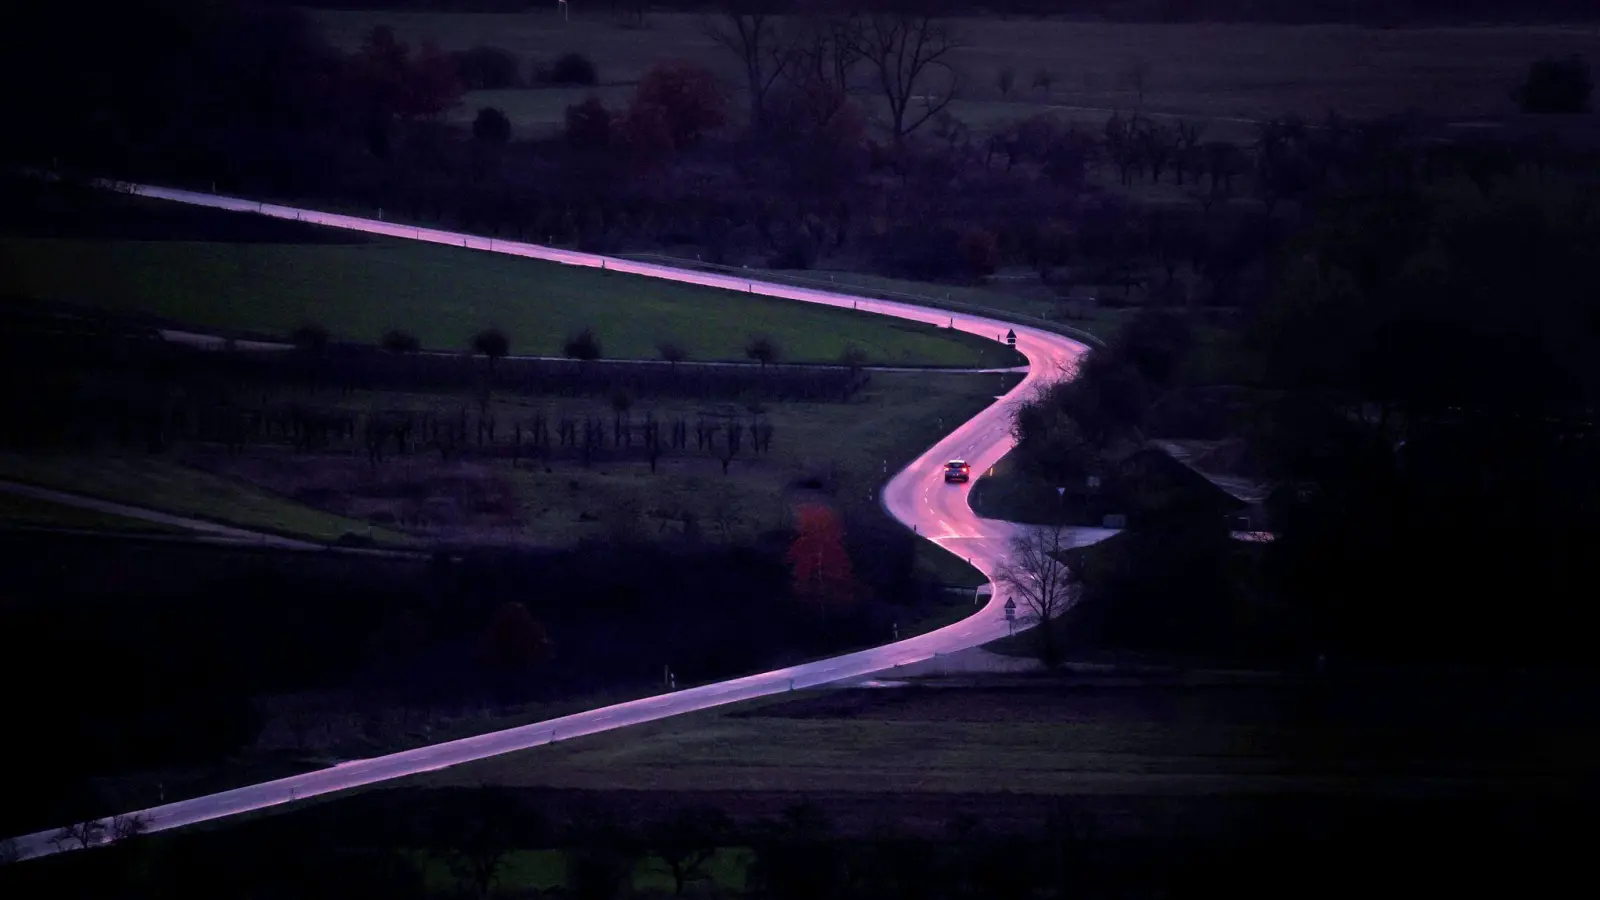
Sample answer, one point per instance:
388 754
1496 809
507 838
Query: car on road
957 470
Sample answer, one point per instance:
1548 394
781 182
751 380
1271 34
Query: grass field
31 512
1032 737
162 484
847 447
446 295
1220 72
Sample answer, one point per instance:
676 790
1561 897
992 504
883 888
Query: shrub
484 68
583 346
491 126
310 337
491 342
799 252
1555 86
569 68
980 251
589 125
401 342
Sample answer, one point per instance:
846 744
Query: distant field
846 445
16 510
1069 739
140 480
1219 72
445 295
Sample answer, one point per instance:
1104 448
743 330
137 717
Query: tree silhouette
491 126
310 338
621 402
688 98
480 835
1555 86
905 50
493 344
397 341
583 346
796 858
687 842
1036 576
604 855
853 358
763 349
673 352
754 37
514 640
820 569
588 125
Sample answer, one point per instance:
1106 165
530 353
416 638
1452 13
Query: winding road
917 496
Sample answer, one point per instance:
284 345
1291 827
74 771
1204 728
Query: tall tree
763 349
751 31
688 98
514 639
1036 576
818 561
823 55
909 54
493 344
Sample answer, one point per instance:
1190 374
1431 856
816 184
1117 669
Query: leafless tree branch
756 39
905 51
1037 577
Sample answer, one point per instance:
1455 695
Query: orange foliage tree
514 640
820 566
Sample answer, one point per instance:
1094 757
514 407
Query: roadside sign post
1011 616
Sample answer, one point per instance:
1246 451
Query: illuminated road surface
917 497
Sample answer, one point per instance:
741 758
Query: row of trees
804 181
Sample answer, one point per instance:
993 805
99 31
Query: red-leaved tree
514 640
688 98
820 566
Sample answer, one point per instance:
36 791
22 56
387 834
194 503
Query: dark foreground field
1099 738
999 788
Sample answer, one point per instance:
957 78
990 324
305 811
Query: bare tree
853 358
1036 576
480 838
749 30
129 826
1139 80
823 55
397 341
81 835
687 842
909 53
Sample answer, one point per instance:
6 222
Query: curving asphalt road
917 496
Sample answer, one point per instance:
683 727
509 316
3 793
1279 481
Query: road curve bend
916 496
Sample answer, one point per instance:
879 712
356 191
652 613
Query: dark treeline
168 656
255 102
1418 388
1366 12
